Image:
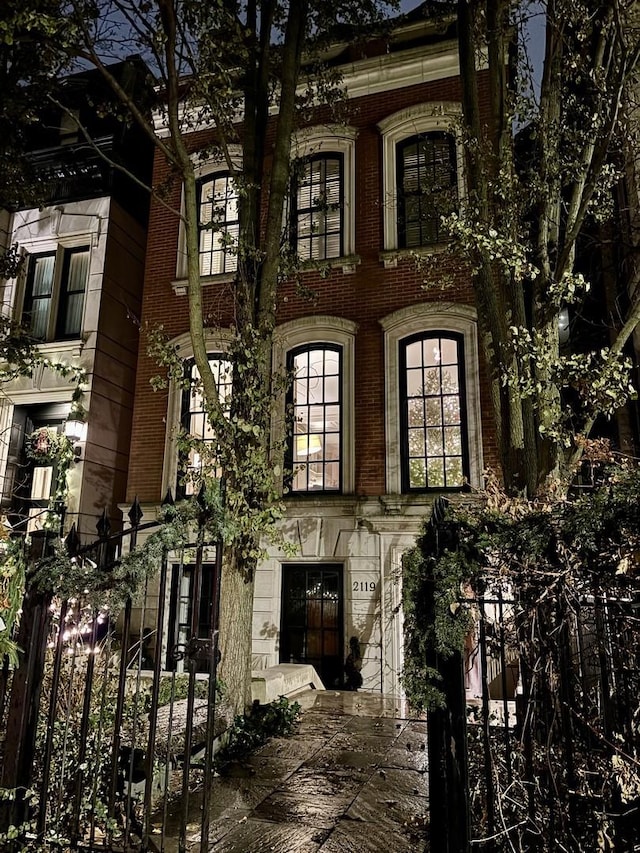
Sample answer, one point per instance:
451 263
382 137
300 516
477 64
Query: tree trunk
236 617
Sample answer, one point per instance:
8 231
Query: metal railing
110 723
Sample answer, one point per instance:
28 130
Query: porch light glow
75 428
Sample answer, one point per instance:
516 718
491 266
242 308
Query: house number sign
363 586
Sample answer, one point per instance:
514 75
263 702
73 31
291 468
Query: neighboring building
79 296
390 390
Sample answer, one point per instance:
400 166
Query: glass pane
414 383
434 442
434 411
453 441
432 381
314 639
43 275
40 317
332 475
455 476
72 324
450 380
449 351
332 447
332 389
332 246
414 354
451 407
196 424
78 271
41 482
415 412
435 473
332 418
417 474
316 418
416 443
331 643
432 352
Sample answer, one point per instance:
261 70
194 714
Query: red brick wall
365 297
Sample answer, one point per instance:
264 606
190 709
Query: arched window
422 176
427 187
218 226
315 401
433 413
318 207
196 425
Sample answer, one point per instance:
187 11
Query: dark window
218 224
183 594
55 293
433 419
427 187
318 203
315 449
203 453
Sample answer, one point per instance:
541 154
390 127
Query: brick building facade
390 395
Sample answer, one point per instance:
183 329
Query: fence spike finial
104 525
72 542
135 513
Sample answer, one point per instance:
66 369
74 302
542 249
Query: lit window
218 224
317 221
203 454
316 404
427 187
433 413
55 294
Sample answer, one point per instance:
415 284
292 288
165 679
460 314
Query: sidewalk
353 778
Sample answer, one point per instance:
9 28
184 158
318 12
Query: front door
312 628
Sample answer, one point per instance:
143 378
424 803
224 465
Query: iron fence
110 724
539 740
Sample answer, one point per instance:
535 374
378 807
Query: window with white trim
218 225
203 450
427 187
54 297
322 206
317 207
315 401
433 419
315 418
433 412
422 175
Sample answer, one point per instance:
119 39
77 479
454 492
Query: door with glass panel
312 619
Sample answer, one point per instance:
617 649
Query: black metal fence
109 722
538 745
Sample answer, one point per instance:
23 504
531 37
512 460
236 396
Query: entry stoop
285 679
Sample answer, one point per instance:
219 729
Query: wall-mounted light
75 428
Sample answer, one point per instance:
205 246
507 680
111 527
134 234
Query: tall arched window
433 415
315 401
195 423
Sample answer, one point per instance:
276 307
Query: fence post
447 733
23 711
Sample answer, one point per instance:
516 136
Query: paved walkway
353 778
